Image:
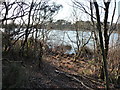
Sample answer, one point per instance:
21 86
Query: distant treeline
66 25
60 25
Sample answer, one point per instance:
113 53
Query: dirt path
51 77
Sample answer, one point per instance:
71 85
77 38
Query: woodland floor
58 71
61 73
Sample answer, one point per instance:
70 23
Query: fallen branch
73 78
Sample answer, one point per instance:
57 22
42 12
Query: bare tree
103 28
80 27
31 18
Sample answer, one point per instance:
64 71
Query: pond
68 37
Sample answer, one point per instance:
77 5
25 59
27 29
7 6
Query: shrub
14 75
86 52
62 48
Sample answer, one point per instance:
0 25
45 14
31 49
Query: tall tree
103 28
103 49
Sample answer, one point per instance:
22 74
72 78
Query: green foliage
92 62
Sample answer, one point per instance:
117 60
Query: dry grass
114 61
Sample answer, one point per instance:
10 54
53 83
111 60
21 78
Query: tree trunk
102 45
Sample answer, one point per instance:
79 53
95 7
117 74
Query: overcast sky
66 11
